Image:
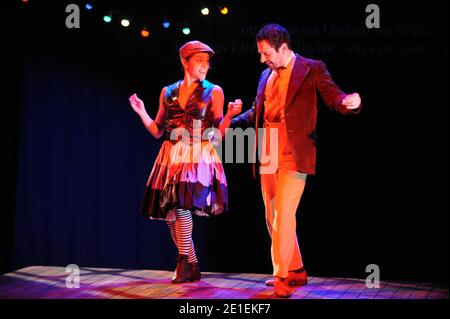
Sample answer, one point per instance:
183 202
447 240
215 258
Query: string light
205 11
186 30
125 23
145 33
107 18
166 23
224 10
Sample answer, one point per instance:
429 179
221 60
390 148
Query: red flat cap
193 47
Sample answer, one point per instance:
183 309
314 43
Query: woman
187 176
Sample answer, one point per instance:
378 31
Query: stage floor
45 282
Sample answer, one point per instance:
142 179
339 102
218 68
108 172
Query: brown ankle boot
194 272
182 270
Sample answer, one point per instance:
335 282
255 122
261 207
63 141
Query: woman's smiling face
197 65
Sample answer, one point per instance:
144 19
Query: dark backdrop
76 157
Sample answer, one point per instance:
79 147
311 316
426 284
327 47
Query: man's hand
352 101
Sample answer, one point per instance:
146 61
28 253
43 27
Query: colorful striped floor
45 282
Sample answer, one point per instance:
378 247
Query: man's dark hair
275 34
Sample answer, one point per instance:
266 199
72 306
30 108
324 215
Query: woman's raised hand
234 108
137 104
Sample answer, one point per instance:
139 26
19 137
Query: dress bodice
197 112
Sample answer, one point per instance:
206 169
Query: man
286 102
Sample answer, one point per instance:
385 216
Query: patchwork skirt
188 177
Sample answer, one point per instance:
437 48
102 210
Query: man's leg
285 249
268 188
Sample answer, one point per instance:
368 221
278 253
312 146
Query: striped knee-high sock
183 235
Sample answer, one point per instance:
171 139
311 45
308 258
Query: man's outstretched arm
333 96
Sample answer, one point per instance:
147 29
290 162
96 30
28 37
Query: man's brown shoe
295 278
281 288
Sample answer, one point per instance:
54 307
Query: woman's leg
183 234
185 231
